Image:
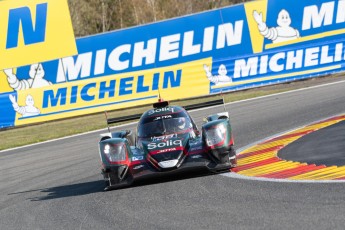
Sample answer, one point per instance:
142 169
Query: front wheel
232 157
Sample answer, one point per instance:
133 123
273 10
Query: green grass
50 130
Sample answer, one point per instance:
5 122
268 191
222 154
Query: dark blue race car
167 141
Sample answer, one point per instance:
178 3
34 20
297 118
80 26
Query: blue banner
248 45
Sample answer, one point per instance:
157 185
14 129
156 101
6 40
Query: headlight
216 135
115 152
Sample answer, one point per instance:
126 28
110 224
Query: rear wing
120 119
204 104
137 116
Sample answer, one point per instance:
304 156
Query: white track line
235 102
238 176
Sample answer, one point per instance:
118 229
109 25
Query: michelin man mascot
28 110
221 78
283 32
36 80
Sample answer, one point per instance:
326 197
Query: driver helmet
181 122
159 127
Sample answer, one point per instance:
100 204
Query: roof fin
161 102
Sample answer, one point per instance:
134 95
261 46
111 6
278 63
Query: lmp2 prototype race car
167 141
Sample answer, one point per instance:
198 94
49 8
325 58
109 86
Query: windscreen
164 125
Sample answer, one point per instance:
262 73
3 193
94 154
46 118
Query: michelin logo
290 60
329 13
314 16
152 51
283 32
36 80
218 79
26 111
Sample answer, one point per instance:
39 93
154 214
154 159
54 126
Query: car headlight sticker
115 152
216 135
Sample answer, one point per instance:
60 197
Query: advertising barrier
31 32
243 46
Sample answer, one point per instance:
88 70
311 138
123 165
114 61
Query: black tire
232 151
233 157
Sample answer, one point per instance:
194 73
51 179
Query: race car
166 141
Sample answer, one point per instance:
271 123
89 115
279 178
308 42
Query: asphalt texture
58 185
323 147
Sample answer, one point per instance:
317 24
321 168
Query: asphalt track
57 185
326 146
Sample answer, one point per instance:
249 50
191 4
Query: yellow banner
256 9
34 31
111 92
